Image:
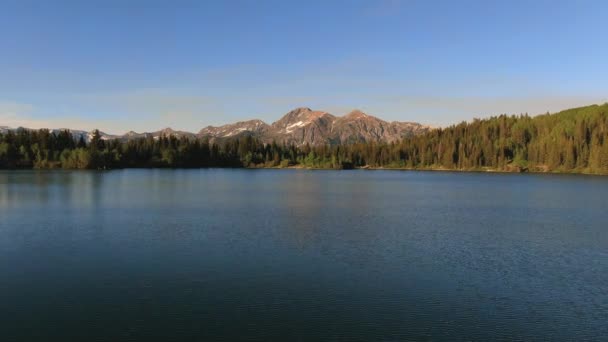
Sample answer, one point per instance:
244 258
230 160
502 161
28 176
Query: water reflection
50 189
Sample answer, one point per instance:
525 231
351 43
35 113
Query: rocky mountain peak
167 130
356 114
299 111
232 130
299 118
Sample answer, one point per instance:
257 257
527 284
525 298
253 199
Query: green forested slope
574 140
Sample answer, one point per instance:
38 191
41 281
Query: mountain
77 134
306 126
254 127
165 132
87 136
357 126
300 126
168 132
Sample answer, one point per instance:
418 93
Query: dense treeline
574 140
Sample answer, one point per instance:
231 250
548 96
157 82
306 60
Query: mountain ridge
299 126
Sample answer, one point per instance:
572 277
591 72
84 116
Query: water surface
302 255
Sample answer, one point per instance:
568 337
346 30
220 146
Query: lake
297 255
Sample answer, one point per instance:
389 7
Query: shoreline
297 167
489 170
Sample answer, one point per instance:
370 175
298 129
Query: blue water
294 255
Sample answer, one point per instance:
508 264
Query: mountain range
300 126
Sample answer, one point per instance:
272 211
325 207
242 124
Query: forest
574 140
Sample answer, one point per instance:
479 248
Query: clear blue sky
144 65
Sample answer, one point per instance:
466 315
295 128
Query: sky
145 65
